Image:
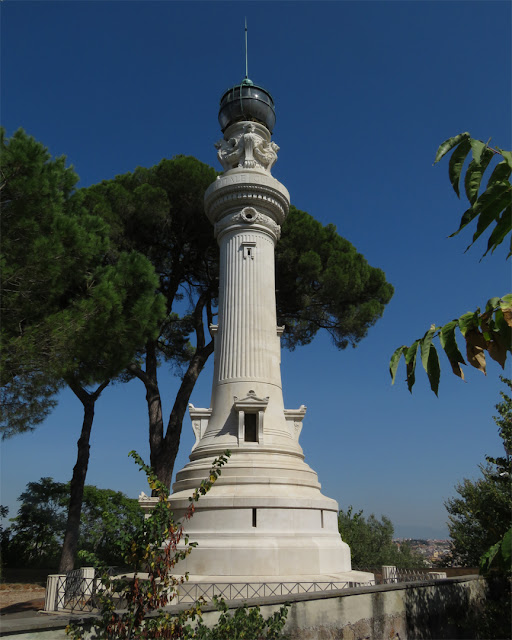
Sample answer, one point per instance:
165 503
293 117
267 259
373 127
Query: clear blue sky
364 92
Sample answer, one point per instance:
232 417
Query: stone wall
417 610
410 611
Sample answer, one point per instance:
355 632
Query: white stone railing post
55 588
88 575
389 574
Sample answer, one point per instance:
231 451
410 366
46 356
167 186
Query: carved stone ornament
248 216
196 428
251 401
247 149
294 418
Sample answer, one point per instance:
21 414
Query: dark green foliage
108 518
481 532
27 398
481 516
75 311
498 558
323 283
494 203
36 533
371 542
71 308
45 249
159 212
504 421
245 622
35 536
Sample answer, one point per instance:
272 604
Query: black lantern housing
247 101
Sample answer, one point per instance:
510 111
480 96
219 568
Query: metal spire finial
246 62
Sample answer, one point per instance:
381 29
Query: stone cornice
240 188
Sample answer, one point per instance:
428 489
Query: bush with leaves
245 622
480 516
153 553
36 533
480 528
491 330
371 541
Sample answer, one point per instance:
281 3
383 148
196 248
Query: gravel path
31 598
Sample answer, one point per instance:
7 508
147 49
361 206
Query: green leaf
502 330
433 369
489 206
469 321
506 548
468 215
474 175
506 301
456 163
501 173
425 343
410 360
478 147
395 359
492 304
501 230
447 145
450 347
507 155
499 556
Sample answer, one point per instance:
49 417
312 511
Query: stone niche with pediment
251 414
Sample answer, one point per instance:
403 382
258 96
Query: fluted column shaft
247 342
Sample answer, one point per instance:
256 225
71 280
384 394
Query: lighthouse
265 519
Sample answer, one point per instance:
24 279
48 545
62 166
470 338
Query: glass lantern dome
247 101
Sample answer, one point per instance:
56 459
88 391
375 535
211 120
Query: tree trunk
69 547
163 456
154 401
164 448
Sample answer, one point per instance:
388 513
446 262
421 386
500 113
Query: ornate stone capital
247 145
248 218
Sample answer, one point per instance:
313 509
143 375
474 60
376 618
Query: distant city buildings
435 552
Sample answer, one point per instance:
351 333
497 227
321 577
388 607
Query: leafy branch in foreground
132 606
153 550
489 331
494 204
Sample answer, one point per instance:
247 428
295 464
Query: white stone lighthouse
265 519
